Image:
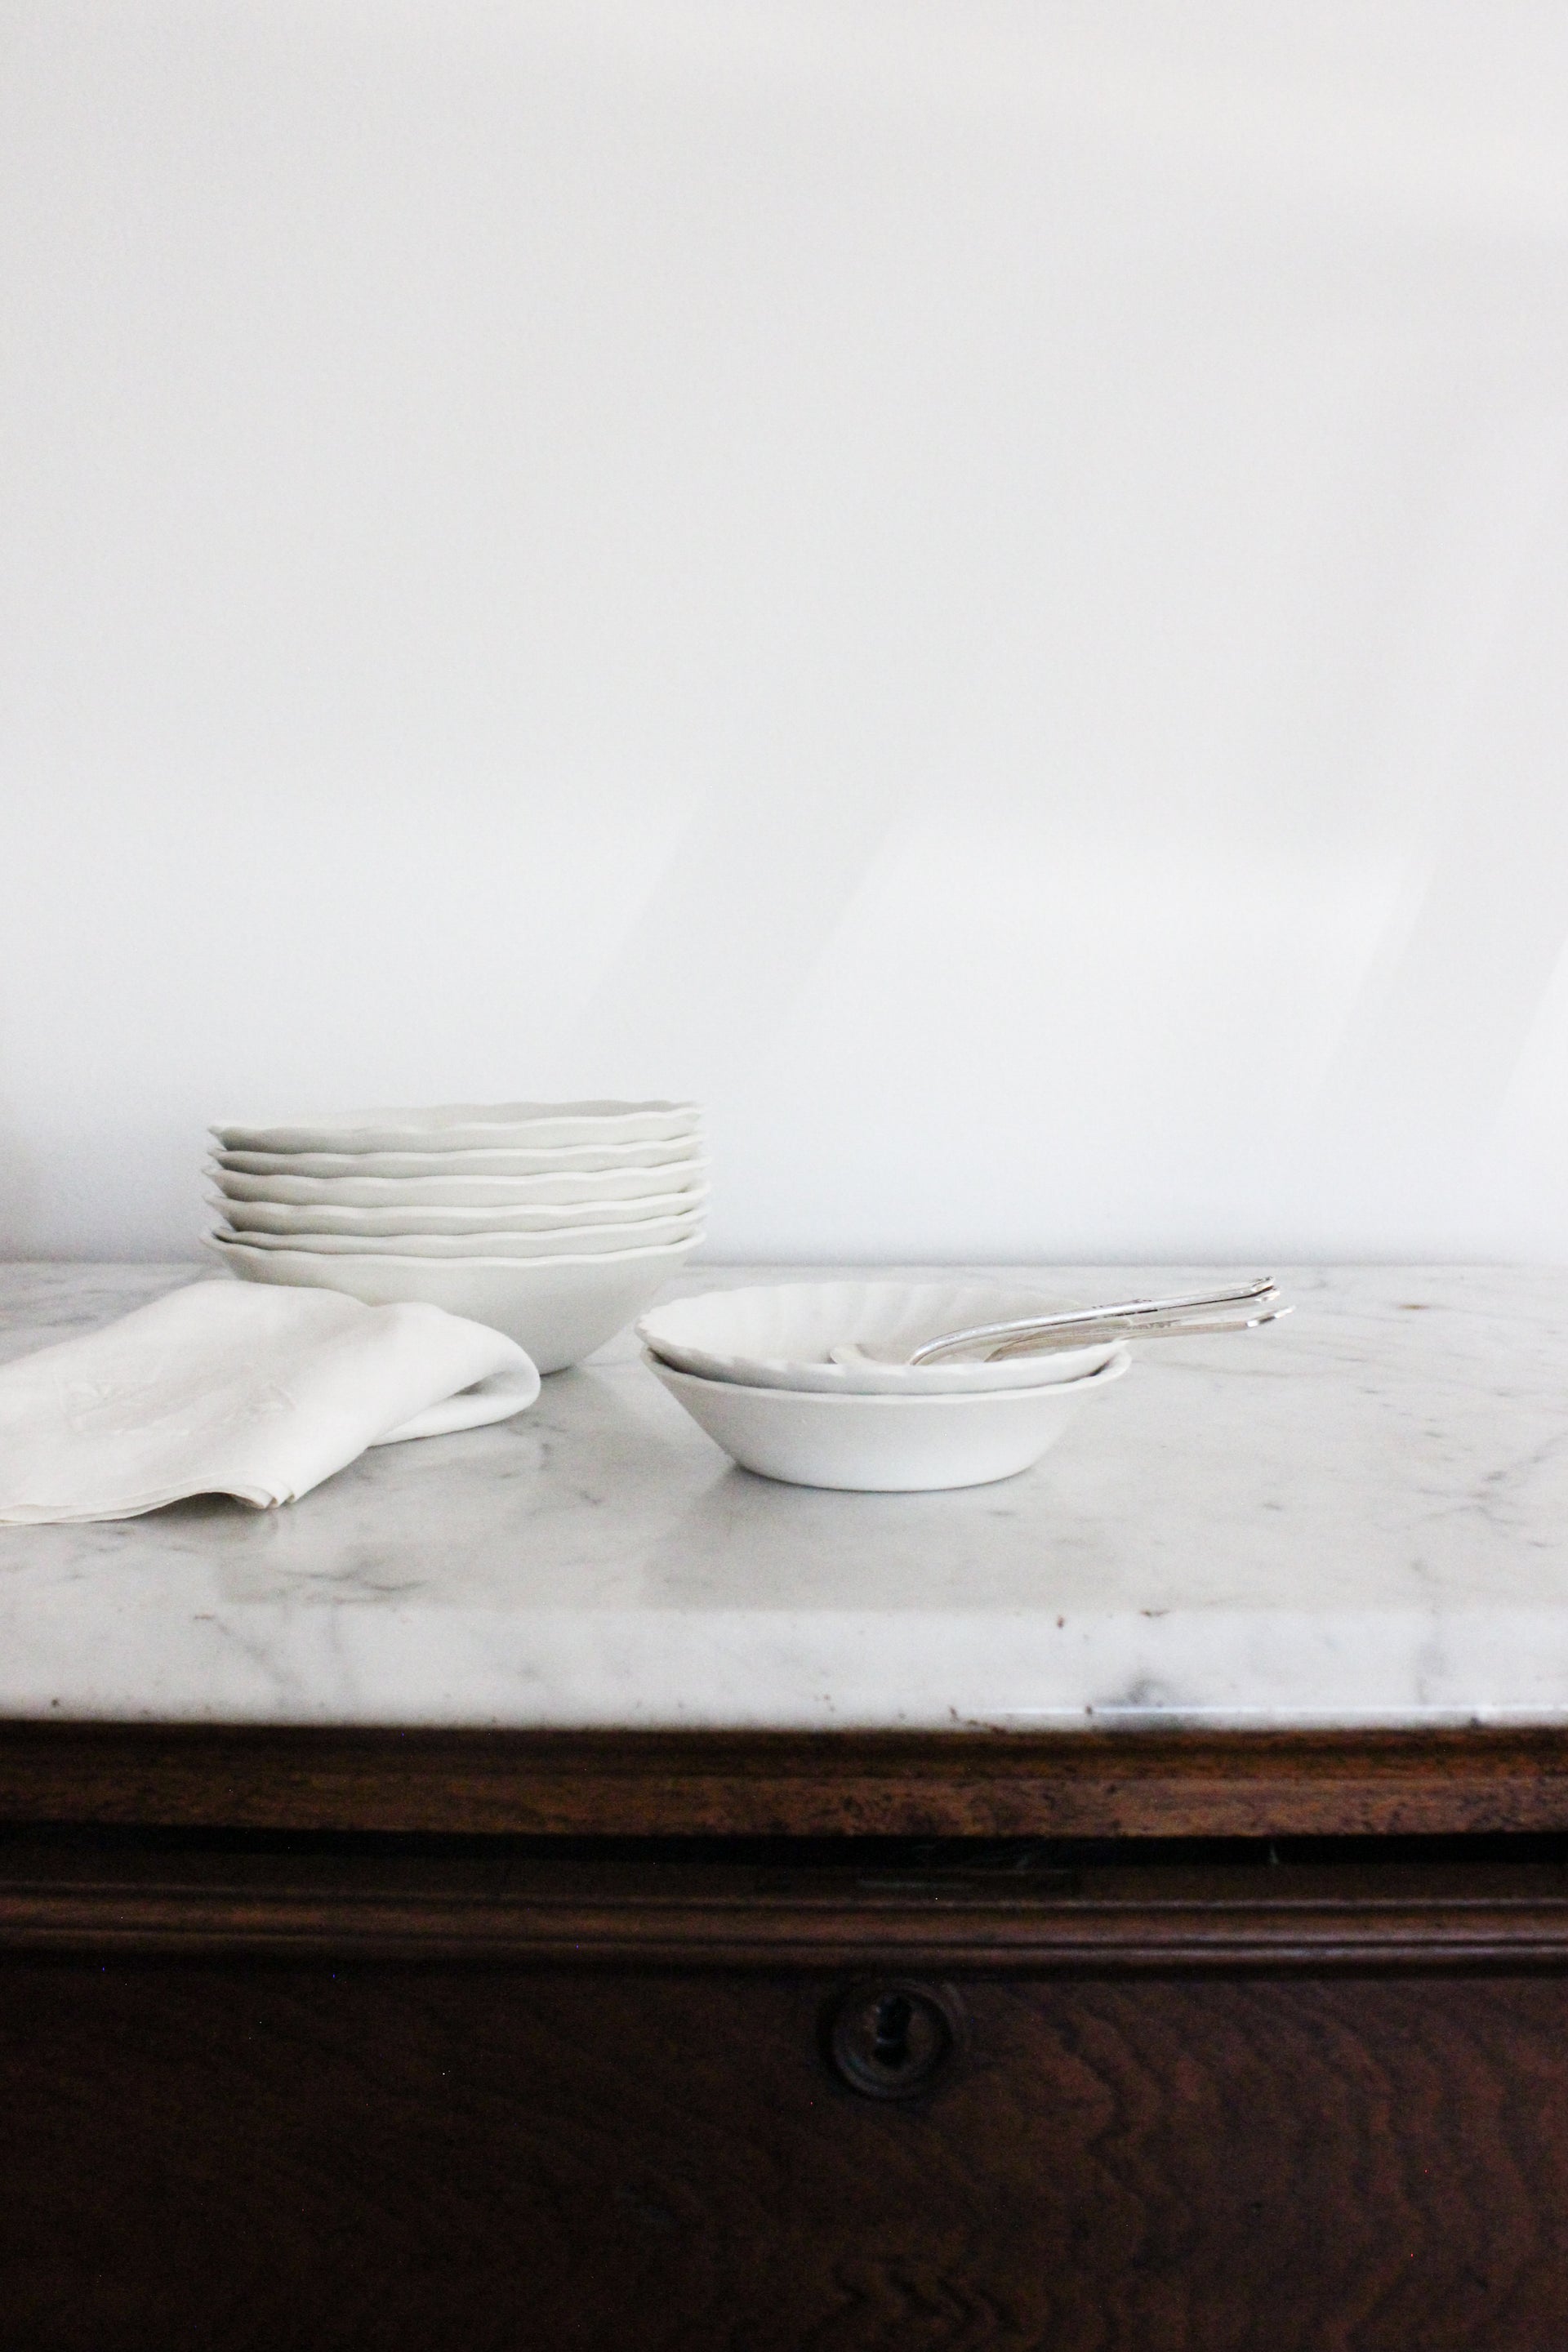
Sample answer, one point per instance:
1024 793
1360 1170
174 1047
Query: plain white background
980 585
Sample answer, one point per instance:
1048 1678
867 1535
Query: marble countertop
1358 1516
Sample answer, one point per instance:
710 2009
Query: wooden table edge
1176 1781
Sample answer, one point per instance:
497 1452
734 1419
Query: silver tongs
1240 1307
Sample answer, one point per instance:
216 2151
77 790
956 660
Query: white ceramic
883 1444
495 1399
468 1127
568 1241
778 1335
626 1217
600 1165
457 1192
558 1309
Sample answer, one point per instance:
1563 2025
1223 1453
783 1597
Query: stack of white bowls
756 1369
556 1223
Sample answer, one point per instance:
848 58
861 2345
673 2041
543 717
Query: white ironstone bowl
376 1227
461 1191
468 1127
777 1335
558 1309
884 1444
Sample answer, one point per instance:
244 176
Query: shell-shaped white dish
567 1241
777 1335
628 1217
884 1444
466 1127
457 1192
604 1163
558 1309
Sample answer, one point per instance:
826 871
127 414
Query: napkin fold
228 1387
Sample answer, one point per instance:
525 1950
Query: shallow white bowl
376 1225
559 1310
567 1241
468 1126
603 1164
883 1444
777 1335
460 1191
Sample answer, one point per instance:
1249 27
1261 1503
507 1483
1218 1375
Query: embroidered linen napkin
232 1388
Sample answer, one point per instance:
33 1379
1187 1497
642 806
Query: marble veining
1359 1515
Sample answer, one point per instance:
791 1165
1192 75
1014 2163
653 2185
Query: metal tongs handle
1194 1311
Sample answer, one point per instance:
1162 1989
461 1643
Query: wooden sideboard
1095 2043
1123 2036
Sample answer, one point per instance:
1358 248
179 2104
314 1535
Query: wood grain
490 2096
1120 1783
337 2150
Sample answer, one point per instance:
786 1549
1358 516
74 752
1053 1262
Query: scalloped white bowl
558 1309
626 1218
604 1163
459 1126
777 1335
568 1241
462 1191
884 1444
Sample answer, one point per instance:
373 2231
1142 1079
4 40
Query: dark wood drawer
345 2101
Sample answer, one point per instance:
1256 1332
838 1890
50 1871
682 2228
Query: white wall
980 584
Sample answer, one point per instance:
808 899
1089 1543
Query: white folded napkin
235 1387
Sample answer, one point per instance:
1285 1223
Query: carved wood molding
1103 1918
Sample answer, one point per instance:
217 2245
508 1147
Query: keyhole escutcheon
888 2038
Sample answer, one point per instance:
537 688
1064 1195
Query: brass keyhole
890 2040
